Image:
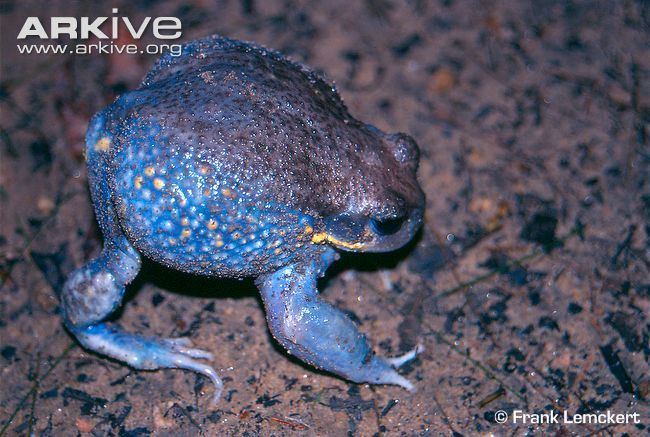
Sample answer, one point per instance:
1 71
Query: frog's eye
387 226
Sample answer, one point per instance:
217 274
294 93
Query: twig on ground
35 386
32 416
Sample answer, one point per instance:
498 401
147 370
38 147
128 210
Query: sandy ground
529 284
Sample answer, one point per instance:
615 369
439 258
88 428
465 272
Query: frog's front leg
317 332
94 291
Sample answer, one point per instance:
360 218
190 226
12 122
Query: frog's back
266 122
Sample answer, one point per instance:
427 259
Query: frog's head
385 205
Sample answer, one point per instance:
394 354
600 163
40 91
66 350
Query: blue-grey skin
232 161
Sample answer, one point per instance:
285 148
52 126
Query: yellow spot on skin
277 251
206 192
212 224
204 169
182 202
322 237
219 243
172 241
227 192
149 171
185 221
158 183
308 229
103 144
319 238
186 233
282 233
138 182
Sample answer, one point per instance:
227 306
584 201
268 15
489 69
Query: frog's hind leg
92 292
320 334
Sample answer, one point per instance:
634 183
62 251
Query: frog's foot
320 334
93 291
148 353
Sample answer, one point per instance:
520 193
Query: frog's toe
398 362
178 341
183 346
393 378
184 358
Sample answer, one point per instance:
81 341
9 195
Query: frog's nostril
387 226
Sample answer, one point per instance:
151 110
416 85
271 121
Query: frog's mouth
362 234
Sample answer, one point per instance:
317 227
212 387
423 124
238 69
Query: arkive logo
83 28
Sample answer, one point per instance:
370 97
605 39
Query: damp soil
529 284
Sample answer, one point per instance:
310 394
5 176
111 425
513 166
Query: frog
233 161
